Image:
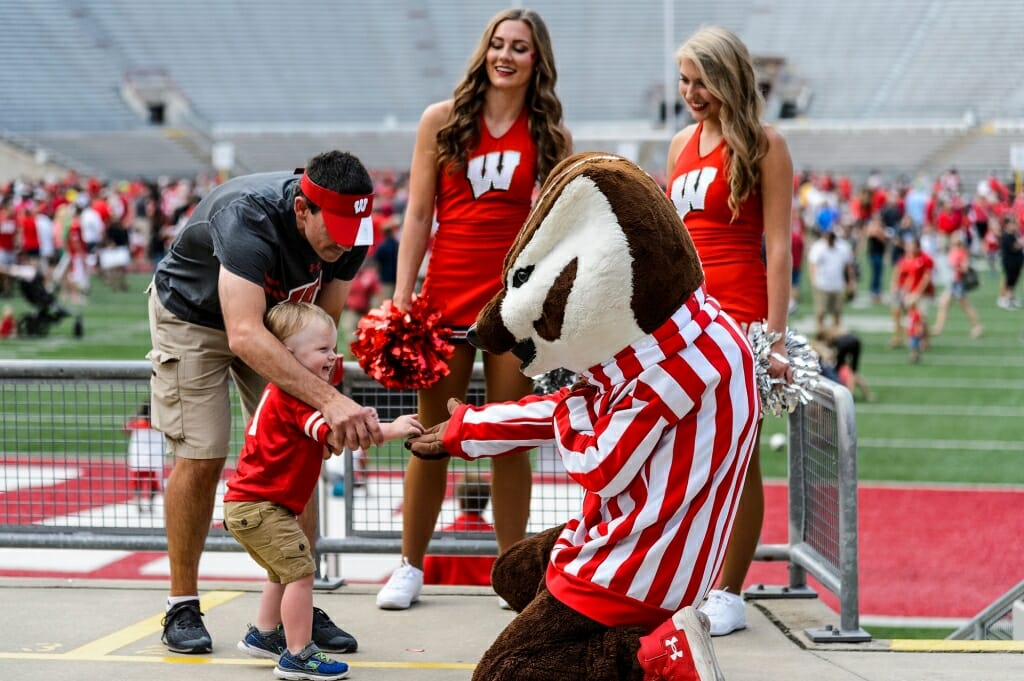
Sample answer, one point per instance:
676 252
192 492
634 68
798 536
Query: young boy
145 458
915 331
277 470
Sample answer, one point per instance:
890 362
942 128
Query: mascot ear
666 268
602 260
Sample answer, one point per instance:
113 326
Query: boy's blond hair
287 318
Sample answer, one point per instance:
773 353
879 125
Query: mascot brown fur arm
604 280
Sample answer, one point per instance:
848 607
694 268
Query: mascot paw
429 445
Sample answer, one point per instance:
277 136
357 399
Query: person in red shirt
8 324
285 444
362 295
911 283
29 235
949 218
797 248
473 494
8 251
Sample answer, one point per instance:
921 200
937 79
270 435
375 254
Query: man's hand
351 426
430 445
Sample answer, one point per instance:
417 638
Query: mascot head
602 261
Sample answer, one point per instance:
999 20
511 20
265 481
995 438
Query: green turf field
954 418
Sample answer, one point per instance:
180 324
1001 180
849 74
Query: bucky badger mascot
604 280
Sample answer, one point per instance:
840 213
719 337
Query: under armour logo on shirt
676 652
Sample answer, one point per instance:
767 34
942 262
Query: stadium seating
279 81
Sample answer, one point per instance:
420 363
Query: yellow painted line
909 645
218 661
101 647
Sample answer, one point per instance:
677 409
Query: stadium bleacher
909 87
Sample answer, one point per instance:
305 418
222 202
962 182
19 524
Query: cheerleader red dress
481 207
729 250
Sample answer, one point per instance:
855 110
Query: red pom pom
405 351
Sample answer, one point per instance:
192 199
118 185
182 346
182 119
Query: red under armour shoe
680 650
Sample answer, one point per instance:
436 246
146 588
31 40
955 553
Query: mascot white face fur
601 262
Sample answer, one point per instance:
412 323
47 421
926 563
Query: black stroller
46 310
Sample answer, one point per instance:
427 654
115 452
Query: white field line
939 383
962 360
940 410
1001 446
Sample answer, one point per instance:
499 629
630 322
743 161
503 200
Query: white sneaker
403 588
726 611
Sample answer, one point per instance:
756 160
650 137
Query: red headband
346 216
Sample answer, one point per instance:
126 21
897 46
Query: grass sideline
953 418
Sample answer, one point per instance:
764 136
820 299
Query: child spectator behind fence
145 458
473 494
915 331
277 471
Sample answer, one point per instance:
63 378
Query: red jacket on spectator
461 570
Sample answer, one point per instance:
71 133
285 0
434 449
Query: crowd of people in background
74 230
844 237
916 242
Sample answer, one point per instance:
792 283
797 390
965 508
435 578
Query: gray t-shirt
247 225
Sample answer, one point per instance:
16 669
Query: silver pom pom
777 395
553 381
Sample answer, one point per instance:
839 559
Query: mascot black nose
472 337
525 350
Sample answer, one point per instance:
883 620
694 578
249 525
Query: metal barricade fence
823 505
65 481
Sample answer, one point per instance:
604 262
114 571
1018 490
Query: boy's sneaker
726 611
329 636
403 588
680 650
258 644
309 665
184 631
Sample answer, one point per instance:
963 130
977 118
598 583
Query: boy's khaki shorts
191 403
273 537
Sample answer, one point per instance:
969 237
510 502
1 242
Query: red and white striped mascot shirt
659 437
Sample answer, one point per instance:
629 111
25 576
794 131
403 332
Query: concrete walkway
100 630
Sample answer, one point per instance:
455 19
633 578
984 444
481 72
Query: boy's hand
404 426
407 425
